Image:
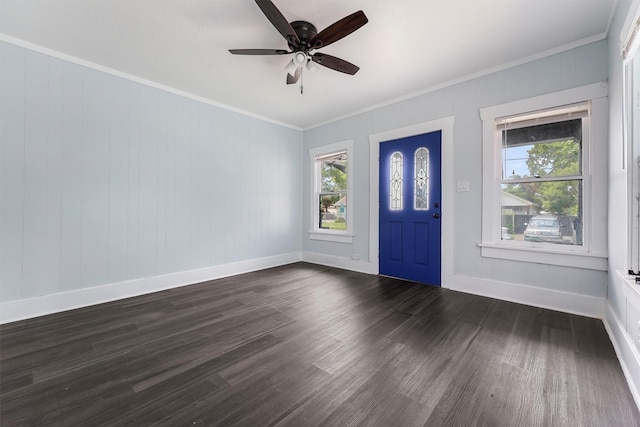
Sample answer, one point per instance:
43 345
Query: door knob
436 215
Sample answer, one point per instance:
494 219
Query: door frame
446 245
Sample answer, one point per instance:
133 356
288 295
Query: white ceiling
408 46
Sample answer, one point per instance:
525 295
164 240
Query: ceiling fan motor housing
305 31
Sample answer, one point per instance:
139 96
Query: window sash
548 116
330 153
543 179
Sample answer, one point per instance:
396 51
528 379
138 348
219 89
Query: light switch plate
463 186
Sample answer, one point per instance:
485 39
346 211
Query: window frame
631 137
315 232
592 254
581 111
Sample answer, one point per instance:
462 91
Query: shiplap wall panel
106 180
201 184
54 167
12 86
71 181
95 179
182 191
118 182
133 125
167 264
148 182
224 160
161 212
35 173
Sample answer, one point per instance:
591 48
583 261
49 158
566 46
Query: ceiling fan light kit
303 39
312 66
300 58
291 67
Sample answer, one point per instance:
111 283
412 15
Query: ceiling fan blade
339 29
278 20
259 51
294 79
335 63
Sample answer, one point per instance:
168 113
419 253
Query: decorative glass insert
395 183
421 180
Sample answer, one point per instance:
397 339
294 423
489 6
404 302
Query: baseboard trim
360 266
12 311
627 353
544 298
566 302
582 305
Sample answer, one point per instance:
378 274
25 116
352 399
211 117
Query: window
331 185
632 149
544 179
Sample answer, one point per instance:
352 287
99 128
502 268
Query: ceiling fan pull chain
301 80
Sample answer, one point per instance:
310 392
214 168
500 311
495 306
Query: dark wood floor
304 345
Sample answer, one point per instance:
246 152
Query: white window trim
593 253
629 40
629 157
315 233
630 43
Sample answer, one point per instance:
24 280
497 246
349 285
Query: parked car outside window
543 228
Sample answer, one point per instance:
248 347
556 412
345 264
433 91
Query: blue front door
410 202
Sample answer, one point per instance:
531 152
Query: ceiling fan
303 39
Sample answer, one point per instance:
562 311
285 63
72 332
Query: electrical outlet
355 257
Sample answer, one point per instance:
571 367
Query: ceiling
407 47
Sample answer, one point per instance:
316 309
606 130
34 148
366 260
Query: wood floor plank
308 345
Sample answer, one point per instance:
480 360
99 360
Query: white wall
507 279
104 180
622 308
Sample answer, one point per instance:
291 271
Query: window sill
631 288
329 236
575 259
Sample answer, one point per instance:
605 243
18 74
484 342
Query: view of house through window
542 175
332 195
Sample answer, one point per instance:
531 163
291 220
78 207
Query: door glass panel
395 183
421 180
